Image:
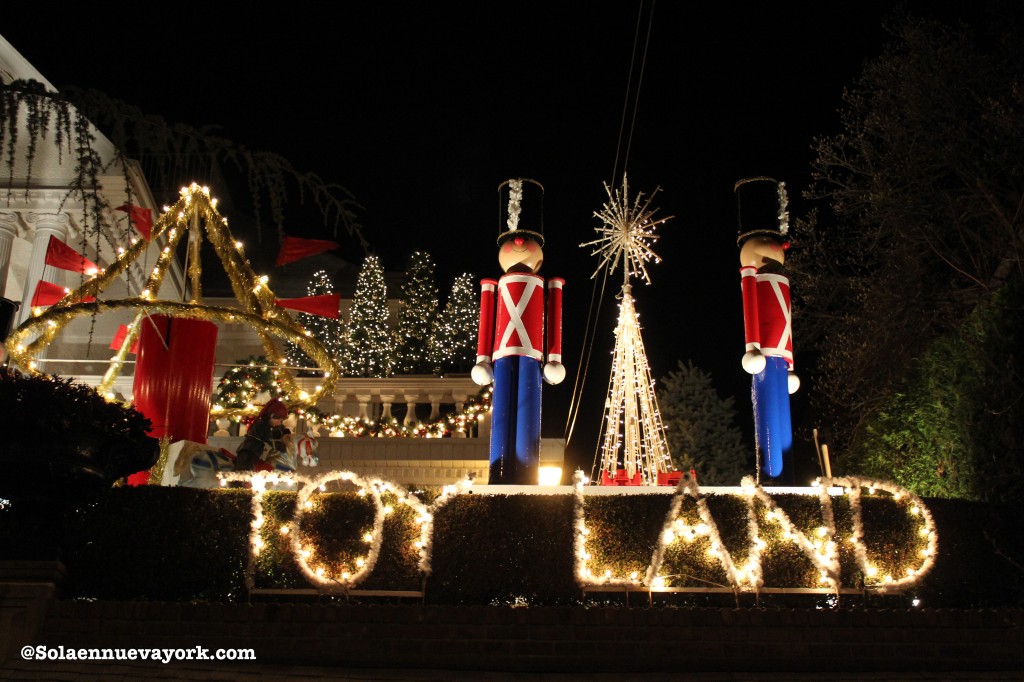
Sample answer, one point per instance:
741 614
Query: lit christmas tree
633 430
416 315
453 338
369 348
328 331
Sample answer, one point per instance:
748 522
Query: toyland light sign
688 520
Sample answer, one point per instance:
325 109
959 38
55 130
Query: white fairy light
820 546
743 574
633 429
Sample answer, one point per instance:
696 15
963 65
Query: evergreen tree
920 218
243 384
329 332
454 334
416 315
701 428
370 349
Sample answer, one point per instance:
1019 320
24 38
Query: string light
819 547
744 576
305 551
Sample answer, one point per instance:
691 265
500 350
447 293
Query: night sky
422 109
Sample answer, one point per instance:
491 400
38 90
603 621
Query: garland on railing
337 425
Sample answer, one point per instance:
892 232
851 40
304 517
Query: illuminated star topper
627 233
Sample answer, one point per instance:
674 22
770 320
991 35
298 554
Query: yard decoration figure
514 339
767 319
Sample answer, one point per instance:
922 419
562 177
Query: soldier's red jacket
519 327
767 317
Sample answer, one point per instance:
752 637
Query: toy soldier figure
767 317
514 339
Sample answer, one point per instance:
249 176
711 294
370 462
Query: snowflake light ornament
627 233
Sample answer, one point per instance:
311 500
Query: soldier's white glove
794 383
753 362
554 373
482 373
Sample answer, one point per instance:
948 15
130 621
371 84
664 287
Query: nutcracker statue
511 345
767 320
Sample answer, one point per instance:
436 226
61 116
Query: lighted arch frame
47 323
195 207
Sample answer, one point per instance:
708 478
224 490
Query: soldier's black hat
761 206
520 210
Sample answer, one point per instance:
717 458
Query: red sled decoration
673 477
324 305
63 257
669 477
621 477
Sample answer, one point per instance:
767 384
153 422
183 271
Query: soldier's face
520 255
757 251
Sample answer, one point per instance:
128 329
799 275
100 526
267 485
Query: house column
385 402
8 231
364 406
44 226
410 414
435 406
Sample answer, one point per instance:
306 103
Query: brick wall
555 638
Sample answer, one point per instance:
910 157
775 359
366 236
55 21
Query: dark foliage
920 227
503 549
158 543
67 438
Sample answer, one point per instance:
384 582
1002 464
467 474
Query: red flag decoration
324 305
48 293
122 331
141 218
294 248
60 255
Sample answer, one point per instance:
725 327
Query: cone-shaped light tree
633 435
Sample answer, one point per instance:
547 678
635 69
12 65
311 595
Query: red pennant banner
48 293
122 332
294 248
60 255
141 217
324 305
